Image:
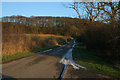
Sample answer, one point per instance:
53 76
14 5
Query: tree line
47 25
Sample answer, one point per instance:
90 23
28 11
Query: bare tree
75 6
91 9
112 9
106 11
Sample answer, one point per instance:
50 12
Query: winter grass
85 58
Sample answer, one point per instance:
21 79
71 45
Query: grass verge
19 55
85 58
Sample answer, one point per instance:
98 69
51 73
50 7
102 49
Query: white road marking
45 51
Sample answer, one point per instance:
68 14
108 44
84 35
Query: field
16 46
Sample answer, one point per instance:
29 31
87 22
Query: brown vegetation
13 44
20 36
104 40
15 39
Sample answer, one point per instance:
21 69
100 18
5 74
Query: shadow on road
41 65
5 77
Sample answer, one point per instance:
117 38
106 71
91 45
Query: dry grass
13 44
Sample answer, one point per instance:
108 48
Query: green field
85 58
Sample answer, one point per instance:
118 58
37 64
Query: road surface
45 65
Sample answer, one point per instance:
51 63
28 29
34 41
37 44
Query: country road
45 65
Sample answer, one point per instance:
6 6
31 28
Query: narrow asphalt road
40 65
45 65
